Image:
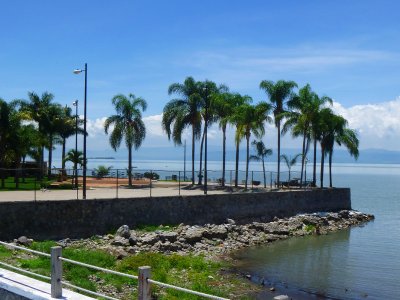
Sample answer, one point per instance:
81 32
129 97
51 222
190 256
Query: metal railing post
34 189
144 288
271 180
117 183
56 272
179 184
151 177
252 180
230 177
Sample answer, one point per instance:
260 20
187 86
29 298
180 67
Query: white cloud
378 124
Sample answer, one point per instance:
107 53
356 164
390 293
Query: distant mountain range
367 156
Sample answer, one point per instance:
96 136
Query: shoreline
219 242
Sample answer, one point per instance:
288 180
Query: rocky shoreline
215 240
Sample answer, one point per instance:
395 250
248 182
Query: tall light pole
205 141
78 71
75 103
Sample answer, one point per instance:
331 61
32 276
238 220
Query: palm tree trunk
18 167
130 165
201 160
193 141
303 156
237 164
63 155
265 178
50 155
315 163
278 179
223 154
322 165
41 162
247 159
330 168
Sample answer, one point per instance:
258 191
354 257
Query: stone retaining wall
85 218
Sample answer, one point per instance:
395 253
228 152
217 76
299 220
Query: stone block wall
85 218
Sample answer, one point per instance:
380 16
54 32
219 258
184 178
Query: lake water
360 263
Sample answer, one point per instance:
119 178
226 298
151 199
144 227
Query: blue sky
348 50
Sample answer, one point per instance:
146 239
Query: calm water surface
360 263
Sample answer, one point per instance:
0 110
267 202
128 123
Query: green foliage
102 171
151 228
309 228
152 175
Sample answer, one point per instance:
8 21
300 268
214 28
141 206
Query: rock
120 241
275 228
281 297
216 232
150 239
230 221
132 240
194 234
120 253
272 289
24 241
168 236
123 231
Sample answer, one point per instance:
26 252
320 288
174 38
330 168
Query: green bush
151 175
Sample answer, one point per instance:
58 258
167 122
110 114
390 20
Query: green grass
193 272
28 185
152 228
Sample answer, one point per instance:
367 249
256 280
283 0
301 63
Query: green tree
224 105
127 124
183 112
279 93
290 162
261 153
37 109
250 120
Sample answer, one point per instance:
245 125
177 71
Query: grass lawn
192 272
30 184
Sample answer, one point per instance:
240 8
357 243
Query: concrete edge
30 288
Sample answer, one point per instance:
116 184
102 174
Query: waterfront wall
85 218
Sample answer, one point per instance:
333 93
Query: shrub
151 175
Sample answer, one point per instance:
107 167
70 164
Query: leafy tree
183 112
250 120
37 109
127 124
102 171
261 153
290 162
279 93
224 105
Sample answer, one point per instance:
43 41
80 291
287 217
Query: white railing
144 278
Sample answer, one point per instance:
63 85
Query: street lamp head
75 103
77 71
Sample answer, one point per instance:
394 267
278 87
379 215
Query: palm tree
250 120
127 124
290 162
66 129
36 109
333 129
183 112
278 94
208 90
316 115
6 133
76 157
224 105
261 153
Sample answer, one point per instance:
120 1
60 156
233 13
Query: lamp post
75 103
205 141
78 71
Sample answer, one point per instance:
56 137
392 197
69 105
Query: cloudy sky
348 50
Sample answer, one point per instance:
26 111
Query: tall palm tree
208 90
261 153
127 124
183 112
333 129
37 109
6 128
290 162
317 110
224 105
250 120
278 94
